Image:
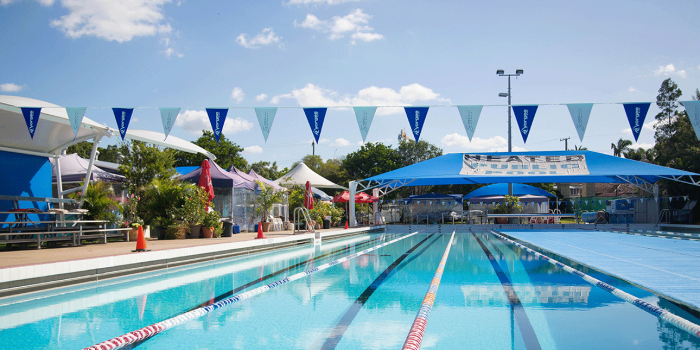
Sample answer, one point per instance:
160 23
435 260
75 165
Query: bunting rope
149 331
415 335
665 315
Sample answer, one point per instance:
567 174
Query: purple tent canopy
264 180
74 169
220 178
233 170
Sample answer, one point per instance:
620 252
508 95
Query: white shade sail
302 173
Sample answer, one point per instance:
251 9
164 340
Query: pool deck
667 267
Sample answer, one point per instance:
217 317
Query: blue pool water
508 301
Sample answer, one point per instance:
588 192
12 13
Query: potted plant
209 223
194 209
510 204
265 199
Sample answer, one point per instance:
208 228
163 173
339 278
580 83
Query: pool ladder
300 212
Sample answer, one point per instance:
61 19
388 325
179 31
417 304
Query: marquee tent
74 169
264 180
220 178
302 173
502 190
438 197
233 170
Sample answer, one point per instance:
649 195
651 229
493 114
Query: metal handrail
298 213
665 213
381 219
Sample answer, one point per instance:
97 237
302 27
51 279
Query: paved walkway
31 256
666 266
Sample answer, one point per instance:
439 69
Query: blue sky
327 53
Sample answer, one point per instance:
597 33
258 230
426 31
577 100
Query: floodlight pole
500 72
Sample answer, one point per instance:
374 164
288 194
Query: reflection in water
475 295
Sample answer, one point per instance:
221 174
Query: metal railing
665 213
300 212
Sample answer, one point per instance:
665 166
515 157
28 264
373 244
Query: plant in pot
210 222
265 199
194 209
161 202
510 204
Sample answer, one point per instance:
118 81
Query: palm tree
580 148
621 147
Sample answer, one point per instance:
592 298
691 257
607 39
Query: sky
341 53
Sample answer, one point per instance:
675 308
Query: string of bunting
524 115
600 201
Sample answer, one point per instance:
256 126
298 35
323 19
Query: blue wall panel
24 175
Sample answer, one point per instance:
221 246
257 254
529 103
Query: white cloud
632 89
45 2
322 140
669 69
10 87
237 94
194 122
253 149
456 139
312 95
171 52
317 2
360 143
341 142
113 20
266 37
355 23
642 145
261 97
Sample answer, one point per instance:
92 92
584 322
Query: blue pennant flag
364 117
123 117
636 112
217 117
31 117
525 115
266 115
470 116
75 115
416 118
315 116
168 116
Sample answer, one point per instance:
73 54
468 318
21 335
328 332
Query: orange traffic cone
260 233
141 242
346 224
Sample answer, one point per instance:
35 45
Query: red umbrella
308 197
205 180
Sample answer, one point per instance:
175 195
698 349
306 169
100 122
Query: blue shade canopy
502 190
593 168
434 197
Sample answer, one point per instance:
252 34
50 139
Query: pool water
492 295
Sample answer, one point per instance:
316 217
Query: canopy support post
95 142
351 203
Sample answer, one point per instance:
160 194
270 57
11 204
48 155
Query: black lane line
337 332
258 280
528 333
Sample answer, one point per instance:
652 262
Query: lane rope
665 315
415 335
149 331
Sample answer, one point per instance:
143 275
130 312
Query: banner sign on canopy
580 112
636 112
364 117
217 118
470 116
31 117
416 118
168 116
315 116
481 164
75 116
525 115
123 117
266 115
693 109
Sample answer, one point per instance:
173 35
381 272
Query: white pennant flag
693 110
75 115
168 116
580 112
266 115
470 116
364 117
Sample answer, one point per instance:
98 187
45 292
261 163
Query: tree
144 162
641 154
414 152
227 153
622 146
267 170
371 159
109 154
580 148
84 148
667 101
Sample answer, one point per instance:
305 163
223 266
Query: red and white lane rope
415 335
677 321
149 331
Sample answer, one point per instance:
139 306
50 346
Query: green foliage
175 231
295 198
227 153
142 163
371 159
84 148
414 152
98 203
323 209
109 154
641 154
130 217
621 147
266 198
268 171
667 101
194 209
509 205
211 219
160 200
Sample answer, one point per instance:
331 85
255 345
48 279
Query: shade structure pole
91 164
351 203
375 193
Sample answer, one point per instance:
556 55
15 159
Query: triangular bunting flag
525 115
123 117
364 117
693 110
315 116
580 112
586 202
217 118
75 116
636 112
31 117
266 115
470 116
416 118
168 116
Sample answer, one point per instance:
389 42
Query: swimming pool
492 295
